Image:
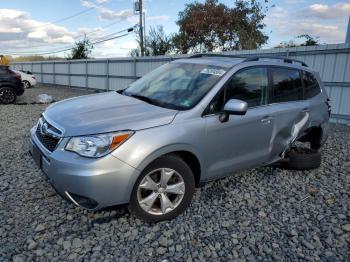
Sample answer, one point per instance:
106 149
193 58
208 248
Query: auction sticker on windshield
213 71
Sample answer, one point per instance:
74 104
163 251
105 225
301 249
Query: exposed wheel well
192 161
313 136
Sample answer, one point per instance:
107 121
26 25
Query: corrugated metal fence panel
78 81
60 68
62 80
97 68
331 61
47 67
27 67
97 82
78 68
119 83
36 67
48 79
144 67
121 68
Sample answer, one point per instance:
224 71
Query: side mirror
233 107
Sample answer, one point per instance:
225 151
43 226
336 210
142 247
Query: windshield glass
176 85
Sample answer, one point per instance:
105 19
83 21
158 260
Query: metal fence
331 61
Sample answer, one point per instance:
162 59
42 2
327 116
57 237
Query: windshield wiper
154 101
143 98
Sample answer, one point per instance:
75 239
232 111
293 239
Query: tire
146 189
26 84
7 95
302 159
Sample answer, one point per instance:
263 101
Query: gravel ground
260 214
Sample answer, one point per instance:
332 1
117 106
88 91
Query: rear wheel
26 84
163 190
7 95
300 158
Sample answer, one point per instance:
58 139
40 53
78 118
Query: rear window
312 87
286 85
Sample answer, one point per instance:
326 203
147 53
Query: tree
213 26
309 41
82 49
156 43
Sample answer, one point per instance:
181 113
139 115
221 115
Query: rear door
290 110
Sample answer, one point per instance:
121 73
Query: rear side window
311 86
286 85
249 85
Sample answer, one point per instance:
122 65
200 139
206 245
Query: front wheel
7 95
163 190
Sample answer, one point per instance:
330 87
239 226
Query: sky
38 27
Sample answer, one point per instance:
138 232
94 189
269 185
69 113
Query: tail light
18 76
33 77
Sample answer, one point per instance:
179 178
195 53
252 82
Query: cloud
105 13
313 20
18 30
324 11
108 14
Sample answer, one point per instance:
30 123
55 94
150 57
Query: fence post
86 74
41 72
69 74
135 74
107 74
54 72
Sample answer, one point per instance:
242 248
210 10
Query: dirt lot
260 214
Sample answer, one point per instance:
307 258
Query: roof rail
215 55
285 59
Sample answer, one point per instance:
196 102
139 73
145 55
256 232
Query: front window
176 85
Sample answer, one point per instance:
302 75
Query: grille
49 142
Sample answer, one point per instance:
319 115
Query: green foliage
156 43
213 26
309 41
82 49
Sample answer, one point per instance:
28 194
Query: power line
67 49
75 38
70 16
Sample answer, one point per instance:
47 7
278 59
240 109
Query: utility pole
141 29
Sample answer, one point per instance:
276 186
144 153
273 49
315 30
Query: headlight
97 145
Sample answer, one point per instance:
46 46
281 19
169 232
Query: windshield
176 85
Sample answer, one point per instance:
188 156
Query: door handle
266 120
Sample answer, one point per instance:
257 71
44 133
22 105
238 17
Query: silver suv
188 122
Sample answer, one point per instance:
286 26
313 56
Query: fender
160 152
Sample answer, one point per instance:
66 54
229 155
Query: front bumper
106 181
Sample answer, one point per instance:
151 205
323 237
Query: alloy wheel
161 191
26 84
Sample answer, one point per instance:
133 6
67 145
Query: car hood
105 112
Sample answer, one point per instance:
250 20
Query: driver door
243 141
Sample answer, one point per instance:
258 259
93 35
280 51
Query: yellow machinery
4 61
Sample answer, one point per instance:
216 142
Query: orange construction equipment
4 61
